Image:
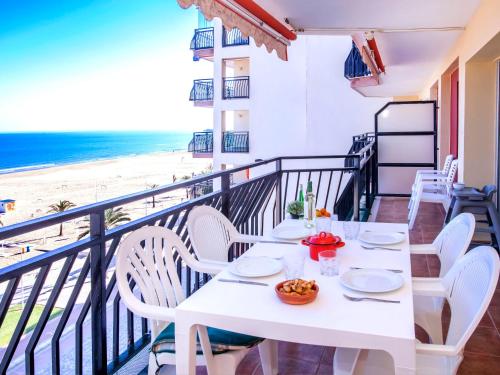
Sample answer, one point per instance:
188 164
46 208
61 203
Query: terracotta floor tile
485 341
479 364
419 267
434 265
293 366
250 363
309 353
495 301
416 237
327 357
494 312
325 369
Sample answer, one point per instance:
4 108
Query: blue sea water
28 151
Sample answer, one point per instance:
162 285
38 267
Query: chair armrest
423 249
429 171
424 183
203 266
162 313
428 286
432 349
211 267
433 177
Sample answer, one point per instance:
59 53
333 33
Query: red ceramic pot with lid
321 242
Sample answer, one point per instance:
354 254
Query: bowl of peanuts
297 291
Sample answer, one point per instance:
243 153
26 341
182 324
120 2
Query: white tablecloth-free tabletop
331 320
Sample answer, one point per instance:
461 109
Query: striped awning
250 19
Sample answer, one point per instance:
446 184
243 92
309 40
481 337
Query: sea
30 151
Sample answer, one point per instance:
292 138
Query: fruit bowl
295 298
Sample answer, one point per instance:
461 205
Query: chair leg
414 212
268 351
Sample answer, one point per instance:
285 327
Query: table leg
185 346
404 357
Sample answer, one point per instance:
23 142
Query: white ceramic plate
371 280
255 266
382 238
291 232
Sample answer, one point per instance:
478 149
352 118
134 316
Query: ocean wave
26 168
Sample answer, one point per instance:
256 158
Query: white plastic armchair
436 190
145 257
469 287
427 173
430 175
451 243
211 235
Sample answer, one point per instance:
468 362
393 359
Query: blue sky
98 65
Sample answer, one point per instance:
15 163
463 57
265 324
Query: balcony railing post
368 181
279 207
355 194
225 196
98 294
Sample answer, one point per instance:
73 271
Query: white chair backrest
447 164
454 240
451 175
470 285
211 233
147 256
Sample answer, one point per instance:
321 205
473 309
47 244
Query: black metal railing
202 143
203 39
354 67
203 90
233 38
95 333
236 87
235 141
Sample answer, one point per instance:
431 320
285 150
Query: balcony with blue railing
202 43
233 37
202 144
202 92
236 87
235 141
354 66
94 332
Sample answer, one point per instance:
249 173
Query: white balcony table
331 320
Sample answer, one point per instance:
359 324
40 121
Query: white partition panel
406 141
406 149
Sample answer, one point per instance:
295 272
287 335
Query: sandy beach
84 183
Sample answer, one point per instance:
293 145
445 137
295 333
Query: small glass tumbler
351 230
323 224
294 266
328 263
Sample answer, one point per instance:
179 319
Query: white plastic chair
429 174
468 287
212 235
146 256
451 243
436 190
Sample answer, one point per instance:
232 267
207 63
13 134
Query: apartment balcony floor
482 353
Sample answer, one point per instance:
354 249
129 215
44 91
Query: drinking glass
351 230
294 266
328 263
323 224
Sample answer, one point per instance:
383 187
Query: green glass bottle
301 198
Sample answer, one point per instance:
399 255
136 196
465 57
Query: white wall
303 106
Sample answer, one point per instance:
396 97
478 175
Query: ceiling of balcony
410 56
